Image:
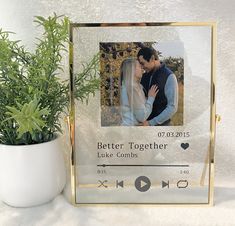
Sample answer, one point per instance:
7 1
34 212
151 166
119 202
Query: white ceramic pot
31 175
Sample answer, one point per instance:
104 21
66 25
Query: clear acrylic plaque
173 163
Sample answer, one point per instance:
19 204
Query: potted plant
33 99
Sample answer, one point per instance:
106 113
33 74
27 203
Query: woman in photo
135 109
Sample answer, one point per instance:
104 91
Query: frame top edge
142 24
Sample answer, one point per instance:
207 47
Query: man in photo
157 73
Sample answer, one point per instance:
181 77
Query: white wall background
17 16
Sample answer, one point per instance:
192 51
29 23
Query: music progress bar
129 165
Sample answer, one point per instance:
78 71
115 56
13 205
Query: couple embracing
148 90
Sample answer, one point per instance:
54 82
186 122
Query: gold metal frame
213 119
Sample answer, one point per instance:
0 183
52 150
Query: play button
142 183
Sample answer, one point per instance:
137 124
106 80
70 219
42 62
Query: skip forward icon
165 184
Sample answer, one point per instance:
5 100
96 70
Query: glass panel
117 159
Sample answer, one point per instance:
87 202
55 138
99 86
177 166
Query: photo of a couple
147 91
